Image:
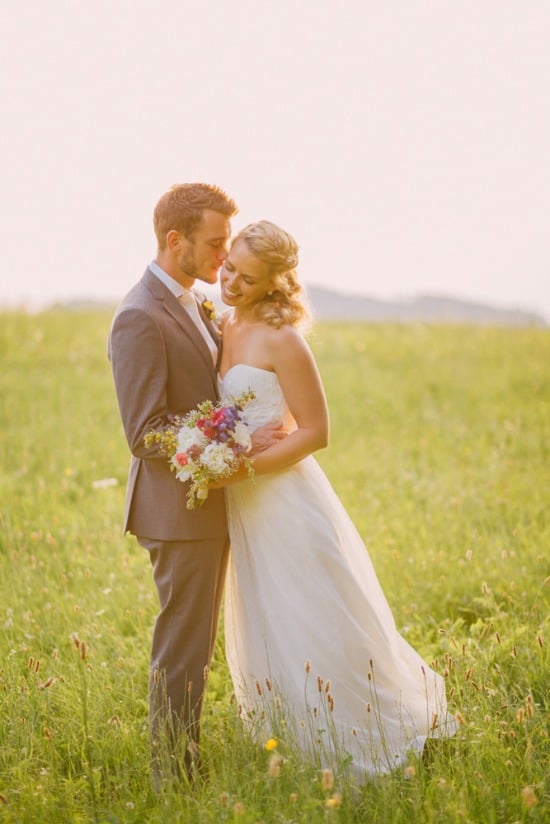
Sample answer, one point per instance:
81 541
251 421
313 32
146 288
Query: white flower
190 436
183 465
242 436
217 457
104 483
183 473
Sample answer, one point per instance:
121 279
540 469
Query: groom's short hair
181 208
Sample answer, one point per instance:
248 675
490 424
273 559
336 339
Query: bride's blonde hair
285 301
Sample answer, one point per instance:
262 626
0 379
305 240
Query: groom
163 350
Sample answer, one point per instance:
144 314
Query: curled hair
181 208
285 301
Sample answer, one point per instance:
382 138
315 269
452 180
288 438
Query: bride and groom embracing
305 617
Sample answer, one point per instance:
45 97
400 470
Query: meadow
440 450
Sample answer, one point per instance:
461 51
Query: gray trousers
189 576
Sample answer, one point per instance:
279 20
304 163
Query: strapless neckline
246 366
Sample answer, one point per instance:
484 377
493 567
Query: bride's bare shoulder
286 344
285 335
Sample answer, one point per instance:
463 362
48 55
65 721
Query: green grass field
440 449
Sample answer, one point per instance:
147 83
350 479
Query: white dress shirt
189 303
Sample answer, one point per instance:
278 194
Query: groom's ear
173 240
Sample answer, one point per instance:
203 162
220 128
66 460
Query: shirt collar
176 288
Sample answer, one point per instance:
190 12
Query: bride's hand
266 436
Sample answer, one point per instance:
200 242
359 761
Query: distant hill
338 306
330 305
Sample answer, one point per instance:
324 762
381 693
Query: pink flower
205 425
181 459
218 416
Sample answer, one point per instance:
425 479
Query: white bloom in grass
218 458
104 483
242 435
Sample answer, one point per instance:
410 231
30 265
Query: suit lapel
176 310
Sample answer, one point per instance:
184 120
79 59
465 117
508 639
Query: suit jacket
161 366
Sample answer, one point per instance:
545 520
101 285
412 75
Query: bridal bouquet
208 444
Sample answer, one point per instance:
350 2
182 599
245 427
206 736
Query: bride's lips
229 293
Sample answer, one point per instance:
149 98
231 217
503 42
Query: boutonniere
210 312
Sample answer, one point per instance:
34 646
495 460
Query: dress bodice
268 405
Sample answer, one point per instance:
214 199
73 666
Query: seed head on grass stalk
82 649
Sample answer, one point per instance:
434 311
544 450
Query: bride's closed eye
250 281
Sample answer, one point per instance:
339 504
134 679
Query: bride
310 638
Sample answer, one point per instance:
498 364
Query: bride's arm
300 381
292 361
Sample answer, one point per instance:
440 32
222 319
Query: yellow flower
209 309
334 801
271 744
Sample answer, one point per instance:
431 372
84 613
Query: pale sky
404 143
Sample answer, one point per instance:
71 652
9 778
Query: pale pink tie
189 303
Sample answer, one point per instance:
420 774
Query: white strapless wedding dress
310 637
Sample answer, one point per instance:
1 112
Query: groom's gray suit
162 366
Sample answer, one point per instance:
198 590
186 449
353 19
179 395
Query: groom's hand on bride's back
266 436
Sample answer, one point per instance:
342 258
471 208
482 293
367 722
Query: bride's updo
285 302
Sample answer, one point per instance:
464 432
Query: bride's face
244 277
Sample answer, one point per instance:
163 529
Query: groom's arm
138 361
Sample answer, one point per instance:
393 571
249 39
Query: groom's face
201 255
